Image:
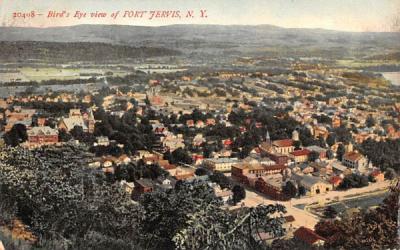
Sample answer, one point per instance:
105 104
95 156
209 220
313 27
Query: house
45 135
181 173
210 121
378 175
336 122
355 160
224 194
198 140
127 186
220 164
300 156
339 169
335 181
144 185
309 237
102 141
319 150
314 185
19 116
284 146
173 142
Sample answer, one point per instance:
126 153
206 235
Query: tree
239 193
290 189
313 156
167 213
330 154
330 212
201 171
180 155
390 174
297 145
220 179
341 150
331 139
370 229
370 121
214 228
16 135
58 197
302 191
353 181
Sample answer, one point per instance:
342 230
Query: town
254 138
192 136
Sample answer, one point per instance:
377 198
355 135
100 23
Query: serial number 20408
30 14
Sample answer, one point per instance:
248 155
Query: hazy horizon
338 15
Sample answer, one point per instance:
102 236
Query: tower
295 135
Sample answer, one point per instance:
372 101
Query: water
394 77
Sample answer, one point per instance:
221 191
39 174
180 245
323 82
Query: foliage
373 229
60 199
313 156
290 189
383 154
167 213
214 228
16 135
353 181
180 155
330 212
221 180
201 171
239 193
341 150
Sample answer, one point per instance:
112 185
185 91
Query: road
303 217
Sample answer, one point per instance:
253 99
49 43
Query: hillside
76 51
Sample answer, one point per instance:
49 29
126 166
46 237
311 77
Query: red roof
307 235
376 173
301 152
335 180
228 142
283 143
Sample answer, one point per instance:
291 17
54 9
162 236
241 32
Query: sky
346 15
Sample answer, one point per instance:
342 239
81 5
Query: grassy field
40 74
366 63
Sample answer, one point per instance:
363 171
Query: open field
48 73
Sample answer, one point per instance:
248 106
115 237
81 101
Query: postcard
199 124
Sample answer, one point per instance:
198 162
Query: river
394 77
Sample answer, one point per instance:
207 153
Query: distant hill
212 38
76 51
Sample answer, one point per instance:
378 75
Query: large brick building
38 136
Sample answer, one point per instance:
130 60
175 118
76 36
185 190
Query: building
220 164
308 237
271 185
127 186
76 119
38 136
314 185
181 173
336 122
300 156
284 146
319 150
335 181
19 116
355 160
143 186
378 175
